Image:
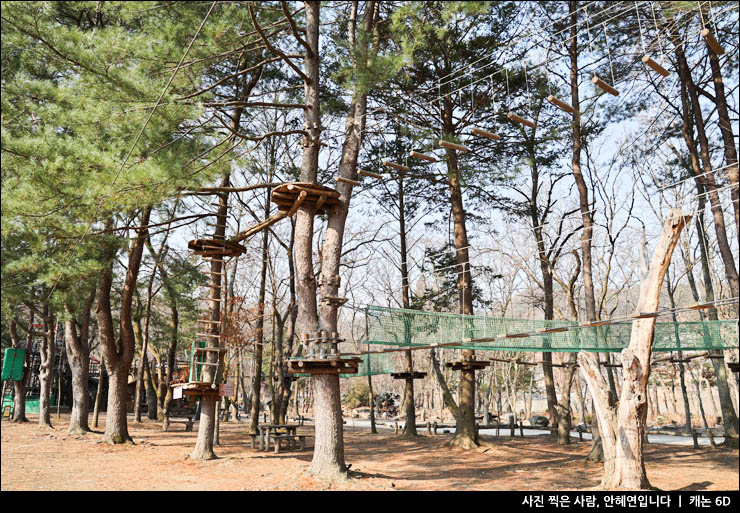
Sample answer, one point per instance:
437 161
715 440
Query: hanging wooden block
485 133
561 104
347 180
603 85
520 119
395 166
368 173
417 155
656 67
713 44
452 146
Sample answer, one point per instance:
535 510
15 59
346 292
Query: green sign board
13 364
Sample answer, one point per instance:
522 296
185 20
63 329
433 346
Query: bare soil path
34 459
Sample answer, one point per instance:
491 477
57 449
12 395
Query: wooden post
511 422
434 427
696 438
395 427
429 429
521 429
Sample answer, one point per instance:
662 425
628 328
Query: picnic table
277 432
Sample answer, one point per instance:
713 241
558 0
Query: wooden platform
335 365
196 388
408 375
468 365
216 247
323 198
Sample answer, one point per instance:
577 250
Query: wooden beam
594 324
554 330
603 85
520 120
320 202
485 133
654 65
700 306
368 173
561 104
452 146
713 44
299 200
347 180
644 315
395 166
417 155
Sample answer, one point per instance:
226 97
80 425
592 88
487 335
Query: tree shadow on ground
702 485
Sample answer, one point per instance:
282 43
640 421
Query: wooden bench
181 416
290 441
254 437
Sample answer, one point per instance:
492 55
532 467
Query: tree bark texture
623 428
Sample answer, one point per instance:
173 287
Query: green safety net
400 327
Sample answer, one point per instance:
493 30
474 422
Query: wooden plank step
452 146
368 173
422 156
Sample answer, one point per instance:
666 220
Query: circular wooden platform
318 196
216 247
468 365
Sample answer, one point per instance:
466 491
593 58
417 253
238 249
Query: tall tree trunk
707 179
151 393
466 435
19 387
46 369
590 366
99 397
203 449
627 440
118 351
328 456
689 103
257 378
725 127
78 356
408 404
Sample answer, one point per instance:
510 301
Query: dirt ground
34 459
